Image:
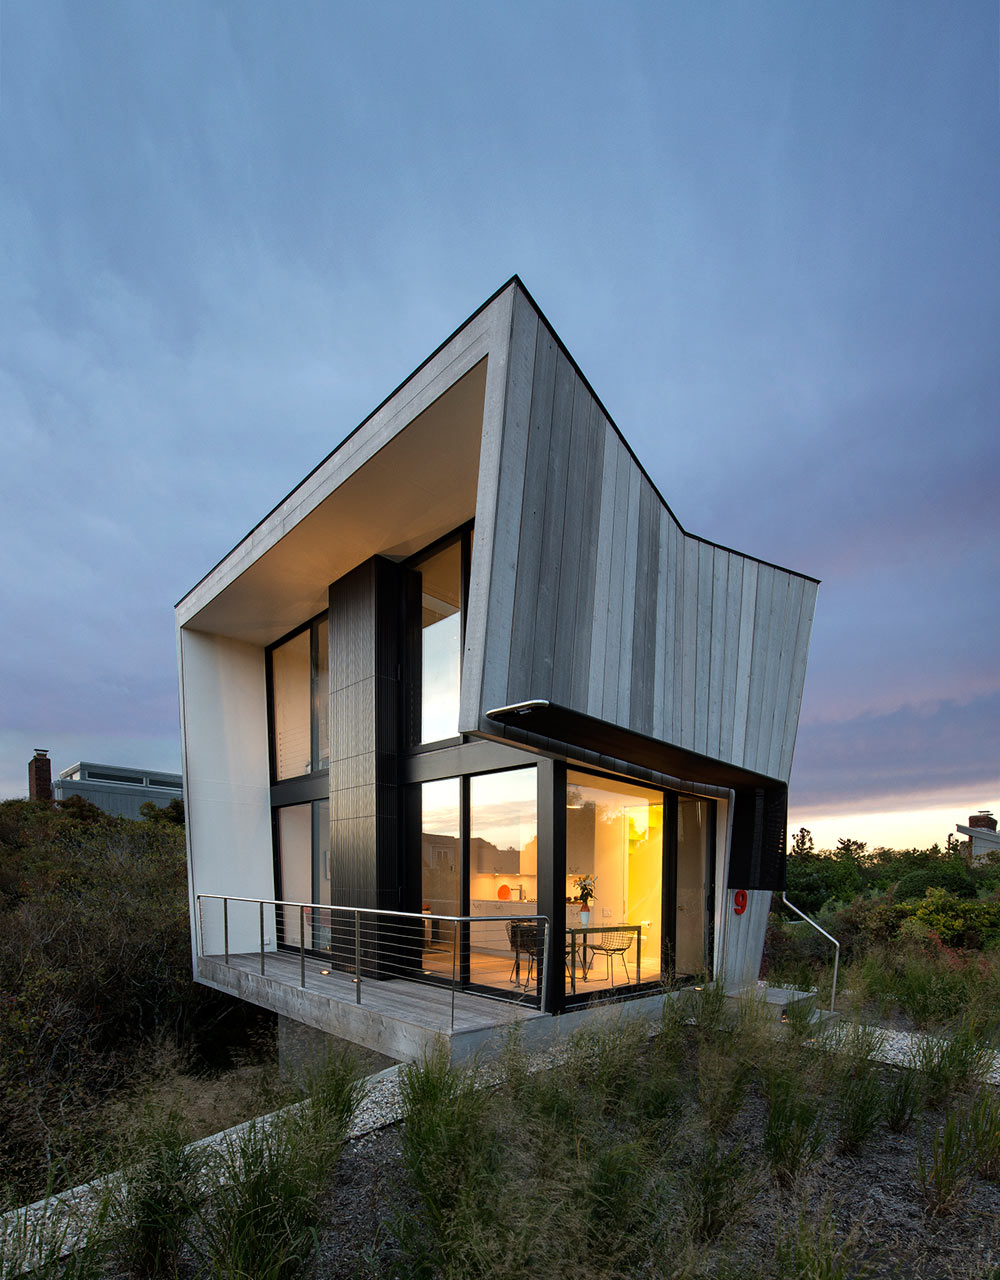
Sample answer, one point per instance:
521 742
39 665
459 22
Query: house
981 833
471 661
117 789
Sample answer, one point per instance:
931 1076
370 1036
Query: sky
768 232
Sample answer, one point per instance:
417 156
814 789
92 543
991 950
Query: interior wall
226 784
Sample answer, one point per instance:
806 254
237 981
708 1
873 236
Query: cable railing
357 950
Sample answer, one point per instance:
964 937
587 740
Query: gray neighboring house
981 834
117 789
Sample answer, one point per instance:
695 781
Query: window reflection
291 674
503 845
300 689
614 833
441 642
440 859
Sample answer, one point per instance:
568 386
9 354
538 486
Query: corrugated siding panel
602 580
550 584
796 680
582 611
510 490
662 690
717 668
706 566
599 602
535 488
779 702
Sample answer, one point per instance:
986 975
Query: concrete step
778 1000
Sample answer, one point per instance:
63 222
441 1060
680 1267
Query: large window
441 860
614 841
300 756
303 832
300 699
442 578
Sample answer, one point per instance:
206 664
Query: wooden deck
399 1017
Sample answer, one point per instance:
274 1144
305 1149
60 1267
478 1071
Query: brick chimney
983 820
40 776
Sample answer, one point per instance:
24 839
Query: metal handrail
829 937
420 919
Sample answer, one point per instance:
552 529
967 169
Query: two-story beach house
473 730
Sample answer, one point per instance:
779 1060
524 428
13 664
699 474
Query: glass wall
291 667
441 861
693 912
614 841
300 698
441 642
503 840
304 863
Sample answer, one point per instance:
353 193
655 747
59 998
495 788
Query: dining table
576 945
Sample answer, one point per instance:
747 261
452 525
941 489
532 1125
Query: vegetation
919 930
96 995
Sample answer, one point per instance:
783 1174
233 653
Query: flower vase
585 915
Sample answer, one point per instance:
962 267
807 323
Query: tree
803 845
171 813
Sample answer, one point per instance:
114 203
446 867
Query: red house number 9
740 901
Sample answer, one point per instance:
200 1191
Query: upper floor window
300 700
442 591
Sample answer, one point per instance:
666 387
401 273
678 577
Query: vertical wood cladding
366 705
599 601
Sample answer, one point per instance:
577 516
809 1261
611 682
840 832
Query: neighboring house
117 789
470 660
981 834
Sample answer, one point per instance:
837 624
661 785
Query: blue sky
768 232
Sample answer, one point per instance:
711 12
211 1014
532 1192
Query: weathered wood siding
596 599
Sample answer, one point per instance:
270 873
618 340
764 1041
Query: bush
956 921
946 875
95 968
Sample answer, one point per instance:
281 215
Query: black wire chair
613 942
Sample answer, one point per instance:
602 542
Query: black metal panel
552 873
757 859
367 638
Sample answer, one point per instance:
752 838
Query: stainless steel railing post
225 925
262 939
302 945
544 980
357 957
455 947
829 937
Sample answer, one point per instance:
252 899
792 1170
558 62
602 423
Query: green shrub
903 1099
793 1131
957 921
944 1172
950 876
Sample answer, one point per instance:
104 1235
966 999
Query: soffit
418 486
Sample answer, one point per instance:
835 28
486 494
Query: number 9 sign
740 901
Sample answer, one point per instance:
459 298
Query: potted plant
585 886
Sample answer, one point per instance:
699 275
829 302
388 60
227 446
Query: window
303 832
300 699
614 835
437 654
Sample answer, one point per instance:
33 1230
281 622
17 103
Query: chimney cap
41 751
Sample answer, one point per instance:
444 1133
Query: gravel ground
872 1196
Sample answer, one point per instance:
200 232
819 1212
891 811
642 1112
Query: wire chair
613 942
